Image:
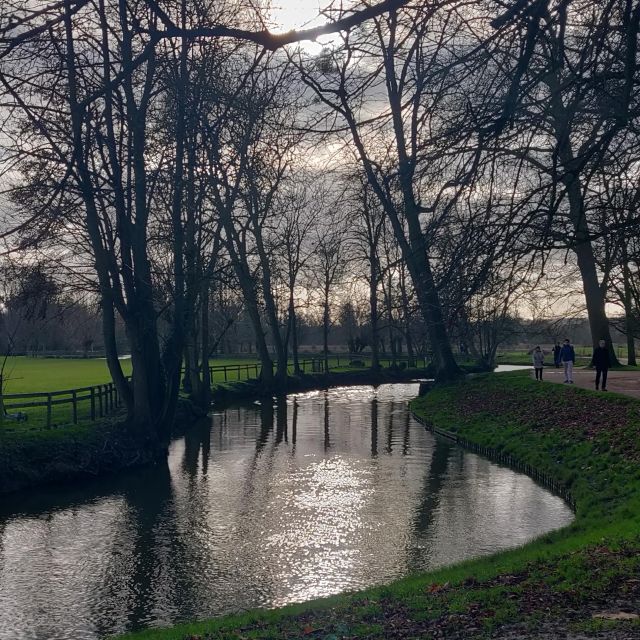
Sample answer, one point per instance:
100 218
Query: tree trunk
628 311
111 353
325 329
293 328
373 305
205 390
407 320
270 305
593 293
392 342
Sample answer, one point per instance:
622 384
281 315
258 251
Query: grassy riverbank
555 585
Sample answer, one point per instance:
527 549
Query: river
259 506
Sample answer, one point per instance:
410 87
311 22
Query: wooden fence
84 403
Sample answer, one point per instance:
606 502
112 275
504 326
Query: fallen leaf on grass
435 588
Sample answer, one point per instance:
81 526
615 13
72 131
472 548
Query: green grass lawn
30 375
588 442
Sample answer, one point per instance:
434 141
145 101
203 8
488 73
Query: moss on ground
590 443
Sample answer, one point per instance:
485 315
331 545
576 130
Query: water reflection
263 505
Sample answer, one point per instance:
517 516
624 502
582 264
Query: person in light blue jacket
567 359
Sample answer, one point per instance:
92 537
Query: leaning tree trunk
593 293
427 294
237 255
414 250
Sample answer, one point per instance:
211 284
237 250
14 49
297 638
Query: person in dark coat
556 355
602 363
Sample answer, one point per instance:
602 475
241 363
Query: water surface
260 506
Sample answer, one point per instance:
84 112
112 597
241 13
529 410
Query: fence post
48 411
225 372
111 403
74 399
100 407
92 399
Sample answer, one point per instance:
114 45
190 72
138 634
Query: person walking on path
567 358
602 363
556 355
537 355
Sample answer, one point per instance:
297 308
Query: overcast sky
292 14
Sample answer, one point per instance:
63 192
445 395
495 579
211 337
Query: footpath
626 382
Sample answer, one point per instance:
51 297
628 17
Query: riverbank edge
71 453
558 580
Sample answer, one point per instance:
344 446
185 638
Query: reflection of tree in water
391 408
281 419
294 426
266 424
197 438
374 427
434 480
153 560
327 435
406 437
